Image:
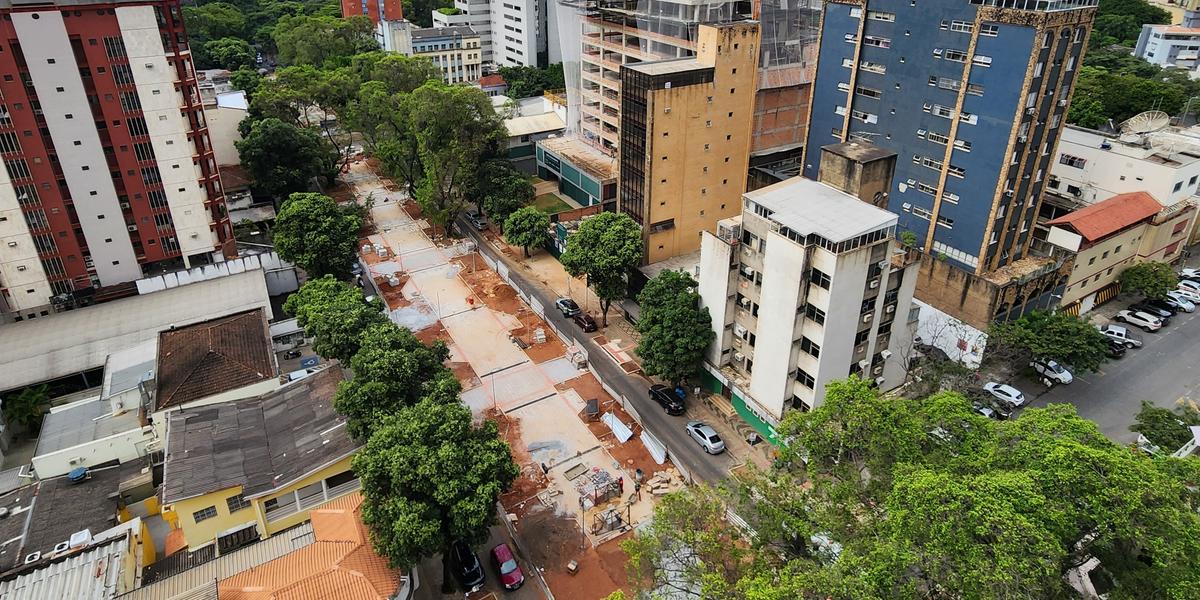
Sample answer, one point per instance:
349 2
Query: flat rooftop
581 154
82 422
808 207
858 151
66 343
662 67
126 369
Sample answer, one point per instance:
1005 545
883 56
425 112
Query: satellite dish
1147 122
1130 138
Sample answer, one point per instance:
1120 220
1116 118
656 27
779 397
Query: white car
1180 303
1005 393
1191 285
1189 273
1053 371
1146 321
1189 295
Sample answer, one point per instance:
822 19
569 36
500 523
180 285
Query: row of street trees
925 498
430 476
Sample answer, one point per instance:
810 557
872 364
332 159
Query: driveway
1162 371
669 430
430 573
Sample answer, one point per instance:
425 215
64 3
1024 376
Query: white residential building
806 286
513 33
1169 46
457 50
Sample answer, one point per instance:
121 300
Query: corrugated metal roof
200 582
92 575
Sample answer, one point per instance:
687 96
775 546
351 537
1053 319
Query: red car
511 576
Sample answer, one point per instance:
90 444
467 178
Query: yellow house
237 471
1112 235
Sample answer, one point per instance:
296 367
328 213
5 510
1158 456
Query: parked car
477 220
1053 371
666 398
1116 349
584 321
1166 305
1189 295
511 576
986 411
1162 313
290 354
1005 393
1146 321
1192 285
1189 274
1122 335
467 569
1179 302
567 307
705 436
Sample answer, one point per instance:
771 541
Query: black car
666 398
467 568
1116 349
1148 308
585 322
1167 305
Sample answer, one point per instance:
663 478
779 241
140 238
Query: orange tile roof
340 564
1110 216
491 80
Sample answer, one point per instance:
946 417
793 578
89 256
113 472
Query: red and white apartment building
109 173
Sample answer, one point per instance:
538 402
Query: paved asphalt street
669 430
1162 371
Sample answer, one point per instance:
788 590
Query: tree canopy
675 330
501 189
430 477
456 129
1168 429
392 370
1152 279
335 314
322 40
321 237
604 248
1120 21
1057 336
230 53
526 82
925 498
281 157
527 227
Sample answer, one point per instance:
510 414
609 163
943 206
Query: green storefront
572 180
710 382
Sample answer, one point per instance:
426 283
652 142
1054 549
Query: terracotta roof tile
215 356
330 567
1110 216
491 80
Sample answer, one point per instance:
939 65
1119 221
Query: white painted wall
123 447
51 62
783 262
1121 169
714 289
223 131
20 268
514 31
945 332
154 78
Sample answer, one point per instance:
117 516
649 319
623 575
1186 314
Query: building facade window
236 503
204 514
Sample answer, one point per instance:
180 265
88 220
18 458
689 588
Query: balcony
308 497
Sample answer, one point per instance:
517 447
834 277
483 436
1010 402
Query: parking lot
1162 371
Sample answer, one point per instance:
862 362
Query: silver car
706 437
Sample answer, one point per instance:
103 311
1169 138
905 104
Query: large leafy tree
26 408
335 314
1168 429
320 40
527 227
526 82
604 248
456 129
281 157
430 477
421 11
1120 21
1152 279
1056 336
317 234
230 53
675 330
502 189
392 370
397 73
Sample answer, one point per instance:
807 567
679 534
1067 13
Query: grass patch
550 204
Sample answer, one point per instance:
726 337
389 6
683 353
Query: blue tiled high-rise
970 94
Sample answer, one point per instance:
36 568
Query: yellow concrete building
1110 236
248 469
685 138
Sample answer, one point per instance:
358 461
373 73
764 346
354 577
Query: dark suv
467 568
666 398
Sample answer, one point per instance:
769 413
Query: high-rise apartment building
685 138
109 171
513 32
971 94
806 286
